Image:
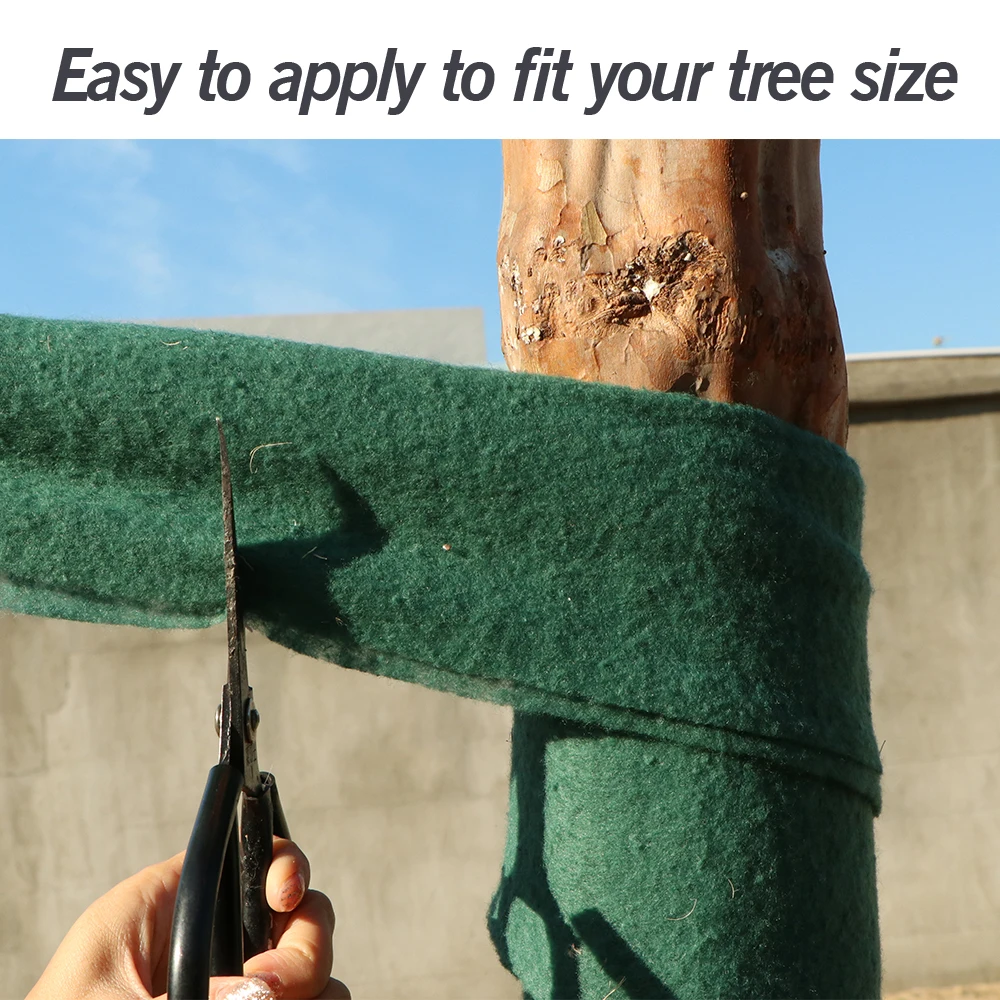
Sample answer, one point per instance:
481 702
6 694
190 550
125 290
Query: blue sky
148 229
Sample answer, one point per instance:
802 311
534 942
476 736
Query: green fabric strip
645 562
653 870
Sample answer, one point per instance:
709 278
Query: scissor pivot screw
218 719
253 719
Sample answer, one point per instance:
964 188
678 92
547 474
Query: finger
154 887
303 956
137 913
288 876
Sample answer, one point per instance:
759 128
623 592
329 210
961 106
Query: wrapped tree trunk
680 866
685 266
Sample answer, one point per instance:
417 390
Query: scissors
221 917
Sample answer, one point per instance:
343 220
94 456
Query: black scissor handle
221 916
208 896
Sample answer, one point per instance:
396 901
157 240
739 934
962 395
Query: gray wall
926 432
399 794
452 335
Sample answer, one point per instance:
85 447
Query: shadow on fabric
291 578
525 882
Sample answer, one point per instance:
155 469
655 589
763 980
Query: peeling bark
679 265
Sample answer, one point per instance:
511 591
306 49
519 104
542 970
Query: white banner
197 69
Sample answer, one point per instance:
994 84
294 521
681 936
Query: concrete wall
926 432
452 335
399 794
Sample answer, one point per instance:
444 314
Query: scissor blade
237 744
234 612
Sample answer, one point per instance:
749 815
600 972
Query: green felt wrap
675 872
659 570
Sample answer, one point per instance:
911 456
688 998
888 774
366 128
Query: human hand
118 949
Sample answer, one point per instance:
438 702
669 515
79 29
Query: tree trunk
679 265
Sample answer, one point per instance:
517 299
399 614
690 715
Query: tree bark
678 265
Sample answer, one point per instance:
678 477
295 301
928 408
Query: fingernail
292 891
255 988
